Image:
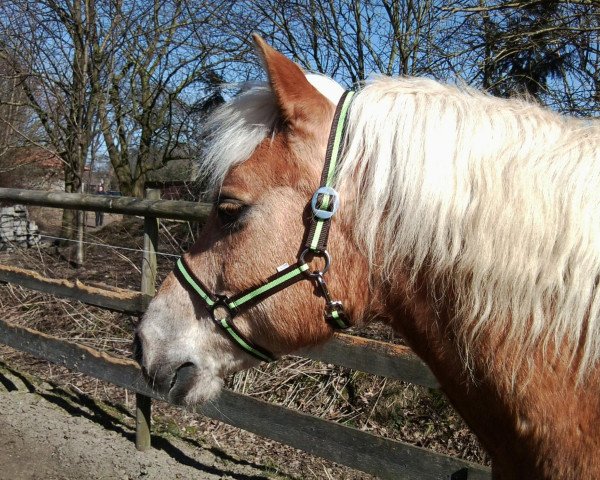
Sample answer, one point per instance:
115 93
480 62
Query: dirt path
45 435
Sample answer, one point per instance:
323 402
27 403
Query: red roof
38 157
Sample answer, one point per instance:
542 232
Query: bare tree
351 39
547 50
163 58
49 47
15 120
135 68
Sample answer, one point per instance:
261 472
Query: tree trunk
72 185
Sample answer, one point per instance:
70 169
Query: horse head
265 160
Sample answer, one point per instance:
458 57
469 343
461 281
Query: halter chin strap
324 205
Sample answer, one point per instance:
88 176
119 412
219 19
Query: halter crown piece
324 204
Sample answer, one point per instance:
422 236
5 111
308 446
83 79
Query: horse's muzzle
174 381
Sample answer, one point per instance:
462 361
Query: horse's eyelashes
230 211
230 208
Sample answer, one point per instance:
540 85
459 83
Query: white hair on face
497 200
237 127
234 131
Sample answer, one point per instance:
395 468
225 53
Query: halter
324 204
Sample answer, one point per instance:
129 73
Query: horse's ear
299 102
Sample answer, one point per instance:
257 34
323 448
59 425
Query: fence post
80 232
143 404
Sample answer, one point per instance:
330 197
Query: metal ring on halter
322 253
221 304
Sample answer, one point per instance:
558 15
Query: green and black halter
324 205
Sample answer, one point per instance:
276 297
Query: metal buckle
334 310
334 203
324 290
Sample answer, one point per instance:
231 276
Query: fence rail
172 209
122 300
369 453
357 353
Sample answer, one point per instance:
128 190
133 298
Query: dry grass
382 406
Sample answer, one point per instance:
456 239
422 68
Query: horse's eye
229 210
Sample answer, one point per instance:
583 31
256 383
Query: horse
469 223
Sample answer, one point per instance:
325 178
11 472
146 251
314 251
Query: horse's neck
530 431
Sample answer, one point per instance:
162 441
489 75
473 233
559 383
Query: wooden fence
382 457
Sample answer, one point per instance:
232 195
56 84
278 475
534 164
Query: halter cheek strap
325 200
224 309
324 205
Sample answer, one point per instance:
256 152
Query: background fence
345 445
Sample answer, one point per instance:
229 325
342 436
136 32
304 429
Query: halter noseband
324 204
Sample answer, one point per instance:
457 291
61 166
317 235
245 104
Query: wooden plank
387 459
73 356
118 299
354 448
173 209
372 356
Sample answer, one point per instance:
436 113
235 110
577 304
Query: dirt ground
44 435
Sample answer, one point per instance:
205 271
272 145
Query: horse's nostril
137 348
183 373
181 382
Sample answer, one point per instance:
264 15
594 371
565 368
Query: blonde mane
497 200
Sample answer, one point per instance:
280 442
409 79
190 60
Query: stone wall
16 230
